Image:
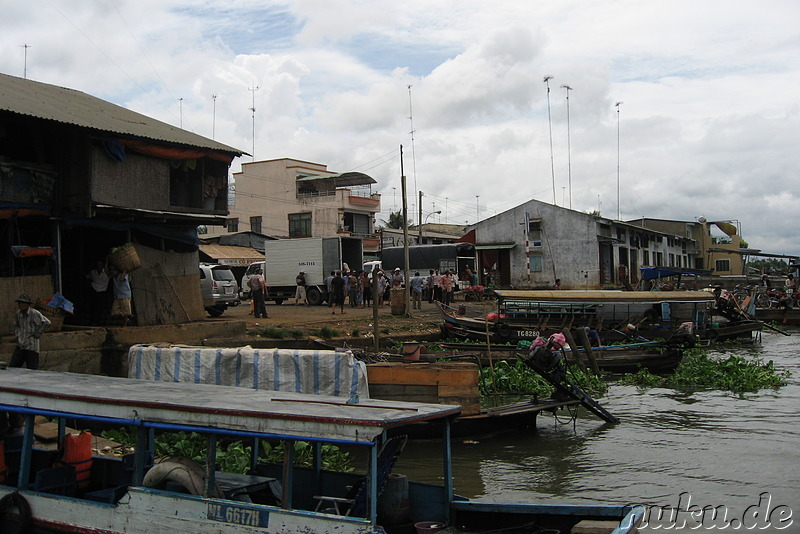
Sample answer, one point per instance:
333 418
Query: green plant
698 370
296 334
333 458
275 333
326 332
356 332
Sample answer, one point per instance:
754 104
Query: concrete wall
569 245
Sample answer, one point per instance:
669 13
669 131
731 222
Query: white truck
316 256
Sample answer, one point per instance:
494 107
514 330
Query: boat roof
606 297
202 406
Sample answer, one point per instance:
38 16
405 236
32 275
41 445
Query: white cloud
708 126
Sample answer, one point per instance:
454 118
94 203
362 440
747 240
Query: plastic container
424 527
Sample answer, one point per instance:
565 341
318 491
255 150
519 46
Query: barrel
398 300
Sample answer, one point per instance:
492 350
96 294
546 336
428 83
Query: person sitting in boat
594 336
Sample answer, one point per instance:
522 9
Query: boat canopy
609 297
209 408
651 273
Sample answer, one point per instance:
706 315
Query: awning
232 255
495 246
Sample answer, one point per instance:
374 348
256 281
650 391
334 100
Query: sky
708 120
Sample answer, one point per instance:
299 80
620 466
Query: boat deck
258 412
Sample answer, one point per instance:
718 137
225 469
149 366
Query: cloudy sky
709 120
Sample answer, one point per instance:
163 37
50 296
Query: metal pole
618 203
405 227
419 219
550 124
569 148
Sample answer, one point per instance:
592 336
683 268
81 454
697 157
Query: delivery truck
317 257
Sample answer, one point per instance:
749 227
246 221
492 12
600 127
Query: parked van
218 288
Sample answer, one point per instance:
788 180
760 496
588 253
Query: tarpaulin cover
318 372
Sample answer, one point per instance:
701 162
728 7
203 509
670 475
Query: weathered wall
166 288
569 245
137 182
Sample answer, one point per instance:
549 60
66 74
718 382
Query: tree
395 220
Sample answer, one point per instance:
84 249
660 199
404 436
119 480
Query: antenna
180 110
214 117
617 106
253 110
413 151
25 46
550 123
569 149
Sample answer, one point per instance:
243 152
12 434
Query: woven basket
126 259
55 315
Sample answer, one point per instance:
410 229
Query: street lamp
437 212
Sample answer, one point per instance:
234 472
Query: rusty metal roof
68 106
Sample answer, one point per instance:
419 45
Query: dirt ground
355 323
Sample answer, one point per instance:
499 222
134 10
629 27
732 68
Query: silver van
218 287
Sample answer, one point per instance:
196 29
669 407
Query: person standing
428 288
447 289
258 290
791 286
29 325
437 286
98 280
383 284
300 294
121 307
337 293
352 289
416 284
366 288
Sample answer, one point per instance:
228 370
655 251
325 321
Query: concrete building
535 243
719 243
293 198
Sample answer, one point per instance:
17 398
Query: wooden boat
525 315
124 495
627 358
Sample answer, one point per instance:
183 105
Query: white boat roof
273 414
606 297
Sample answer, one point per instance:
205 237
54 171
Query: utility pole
180 110
569 149
550 123
420 218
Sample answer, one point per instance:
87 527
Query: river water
671 449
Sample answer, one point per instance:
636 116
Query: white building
533 244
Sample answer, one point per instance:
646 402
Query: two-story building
293 198
719 243
80 176
534 244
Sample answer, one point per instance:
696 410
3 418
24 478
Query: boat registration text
238 515
528 333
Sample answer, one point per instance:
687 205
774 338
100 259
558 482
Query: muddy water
714 448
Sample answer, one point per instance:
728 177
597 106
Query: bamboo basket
55 315
126 259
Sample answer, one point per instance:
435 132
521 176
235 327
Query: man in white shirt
29 325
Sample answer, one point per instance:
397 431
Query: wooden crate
441 383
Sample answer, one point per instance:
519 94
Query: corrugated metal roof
344 179
231 252
68 106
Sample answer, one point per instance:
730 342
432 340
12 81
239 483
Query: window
645 257
722 265
233 225
535 234
300 224
536 263
255 224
